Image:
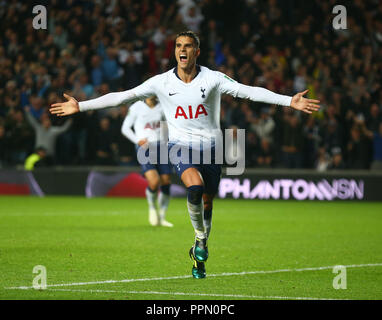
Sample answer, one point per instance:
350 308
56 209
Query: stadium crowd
91 48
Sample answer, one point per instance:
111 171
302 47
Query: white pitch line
193 294
225 274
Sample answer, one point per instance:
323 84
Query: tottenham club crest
203 90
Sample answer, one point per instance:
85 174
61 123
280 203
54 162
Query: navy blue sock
207 214
152 191
194 194
165 189
207 221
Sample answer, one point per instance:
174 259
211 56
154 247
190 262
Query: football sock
151 196
207 221
195 209
163 200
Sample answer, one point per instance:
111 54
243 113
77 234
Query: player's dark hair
189 34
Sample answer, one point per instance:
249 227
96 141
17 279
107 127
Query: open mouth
183 58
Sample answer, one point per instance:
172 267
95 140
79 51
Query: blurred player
190 97
146 117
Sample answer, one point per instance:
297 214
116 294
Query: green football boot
200 250
198 268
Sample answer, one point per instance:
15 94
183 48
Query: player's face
186 52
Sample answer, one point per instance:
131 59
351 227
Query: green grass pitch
258 250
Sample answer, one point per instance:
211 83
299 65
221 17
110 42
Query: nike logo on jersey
171 94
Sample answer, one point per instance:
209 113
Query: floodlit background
104 248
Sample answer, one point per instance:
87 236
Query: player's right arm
114 99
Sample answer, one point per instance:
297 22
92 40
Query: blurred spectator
105 146
337 162
266 154
60 37
323 160
126 149
46 134
110 69
292 143
377 147
36 159
331 135
374 118
251 149
96 72
193 18
311 142
36 107
264 126
91 49
22 136
4 146
357 149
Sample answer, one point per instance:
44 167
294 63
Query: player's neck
187 75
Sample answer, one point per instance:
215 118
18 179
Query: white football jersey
145 121
192 110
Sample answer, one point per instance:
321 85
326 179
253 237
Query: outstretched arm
72 106
297 102
258 94
114 99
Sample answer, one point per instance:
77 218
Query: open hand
303 104
65 108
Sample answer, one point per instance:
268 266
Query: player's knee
154 185
194 194
164 180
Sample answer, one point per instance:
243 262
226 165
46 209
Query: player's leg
211 175
198 268
193 181
164 199
207 215
153 181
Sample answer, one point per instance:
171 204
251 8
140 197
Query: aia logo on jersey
152 125
180 112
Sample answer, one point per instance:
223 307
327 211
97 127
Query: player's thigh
192 177
211 174
165 179
152 178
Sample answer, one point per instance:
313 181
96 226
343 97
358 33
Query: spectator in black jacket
292 143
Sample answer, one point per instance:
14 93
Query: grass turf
87 240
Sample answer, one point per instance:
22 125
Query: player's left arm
297 102
258 94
